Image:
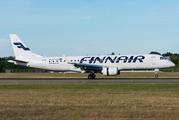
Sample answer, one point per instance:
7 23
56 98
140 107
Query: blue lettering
122 58
98 59
130 59
91 60
110 59
83 59
140 58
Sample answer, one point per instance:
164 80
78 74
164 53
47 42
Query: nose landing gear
156 70
156 76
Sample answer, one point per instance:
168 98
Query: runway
80 80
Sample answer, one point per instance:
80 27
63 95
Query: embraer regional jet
107 64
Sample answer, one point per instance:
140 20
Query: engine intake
110 71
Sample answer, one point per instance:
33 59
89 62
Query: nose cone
172 64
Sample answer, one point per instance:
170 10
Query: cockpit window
163 58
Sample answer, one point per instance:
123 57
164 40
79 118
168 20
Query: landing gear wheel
156 76
91 76
94 76
156 70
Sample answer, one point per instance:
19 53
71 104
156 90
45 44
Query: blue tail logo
20 45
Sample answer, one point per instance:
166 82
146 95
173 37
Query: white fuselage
123 62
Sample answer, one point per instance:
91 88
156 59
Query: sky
90 27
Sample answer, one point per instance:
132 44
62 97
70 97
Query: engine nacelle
110 71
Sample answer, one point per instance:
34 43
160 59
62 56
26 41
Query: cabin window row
52 61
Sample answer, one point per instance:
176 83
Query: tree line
5 65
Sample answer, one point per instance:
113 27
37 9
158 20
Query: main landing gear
91 76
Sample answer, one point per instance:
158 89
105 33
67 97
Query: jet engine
110 71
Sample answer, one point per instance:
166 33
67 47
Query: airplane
107 65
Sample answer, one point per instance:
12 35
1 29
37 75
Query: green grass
170 87
89 100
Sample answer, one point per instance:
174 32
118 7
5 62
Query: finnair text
115 59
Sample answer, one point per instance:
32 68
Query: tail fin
21 51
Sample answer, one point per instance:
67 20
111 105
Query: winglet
68 61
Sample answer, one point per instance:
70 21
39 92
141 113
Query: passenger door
153 60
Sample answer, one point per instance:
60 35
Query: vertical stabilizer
21 51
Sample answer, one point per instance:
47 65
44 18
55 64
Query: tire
91 76
156 76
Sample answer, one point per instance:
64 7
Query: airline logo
116 59
20 45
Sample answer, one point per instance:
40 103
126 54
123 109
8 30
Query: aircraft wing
86 67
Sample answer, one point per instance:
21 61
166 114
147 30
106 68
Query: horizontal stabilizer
12 61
